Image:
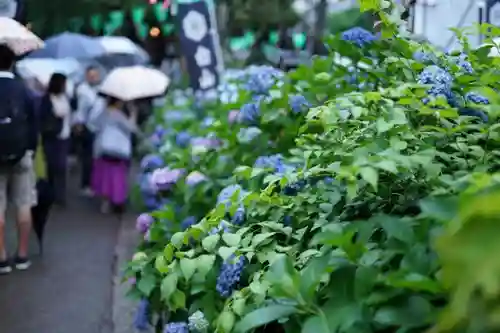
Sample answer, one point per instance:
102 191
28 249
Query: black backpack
13 129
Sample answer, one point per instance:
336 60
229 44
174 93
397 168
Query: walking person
113 152
87 103
18 141
55 125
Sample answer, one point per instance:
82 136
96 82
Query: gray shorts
17 184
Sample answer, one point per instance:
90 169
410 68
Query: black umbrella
40 212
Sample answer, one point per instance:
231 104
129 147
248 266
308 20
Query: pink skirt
110 180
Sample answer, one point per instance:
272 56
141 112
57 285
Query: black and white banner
13 9
200 45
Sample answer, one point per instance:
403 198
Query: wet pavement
69 288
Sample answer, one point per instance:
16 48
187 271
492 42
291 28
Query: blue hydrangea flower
294 188
440 80
425 57
476 98
183 139
358 36
141 320
299 104
187 222
223 226
465 65
287 220
261 79
249 113
275 162
207 122
229 276
179 327
227 192
247 135
239 216
151 162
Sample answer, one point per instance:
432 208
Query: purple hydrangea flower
144 222
233 116
195 178
164 178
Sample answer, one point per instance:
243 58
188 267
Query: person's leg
4 264
86 161
21 187
62 170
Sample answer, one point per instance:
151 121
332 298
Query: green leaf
178 239
315 324
205 263
161 264
283 277
231 239
226 252
226 320
366 277
188 267
147 284
397 228
178 300
168 286
259 238
209 243
311 275
238 306
443 209
383 126
370 175
263 316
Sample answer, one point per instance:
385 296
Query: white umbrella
130 83
17 37
42 69
123 45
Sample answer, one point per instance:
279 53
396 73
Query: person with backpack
55 126
18 141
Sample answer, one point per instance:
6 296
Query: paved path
69 289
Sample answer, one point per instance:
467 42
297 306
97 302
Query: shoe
22 264
87 192
5 267
105 207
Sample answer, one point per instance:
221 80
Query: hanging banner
200 45
493 12
13 9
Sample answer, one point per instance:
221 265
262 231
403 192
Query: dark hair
91 68
7 57
112 100
57 84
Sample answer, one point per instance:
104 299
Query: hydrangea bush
349 196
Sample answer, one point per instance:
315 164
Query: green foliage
393 229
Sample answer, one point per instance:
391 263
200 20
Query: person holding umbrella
18 140
113 151
114 129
